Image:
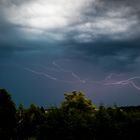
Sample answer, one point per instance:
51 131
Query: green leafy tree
79 114
77 101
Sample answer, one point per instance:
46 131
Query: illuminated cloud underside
46 17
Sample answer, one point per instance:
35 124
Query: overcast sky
49 47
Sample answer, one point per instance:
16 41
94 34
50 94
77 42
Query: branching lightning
69 71
135 86
129 81
78 80
109 80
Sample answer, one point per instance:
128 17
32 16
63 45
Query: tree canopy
7 116
77 100
76 118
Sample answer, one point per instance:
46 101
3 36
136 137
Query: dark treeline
75 119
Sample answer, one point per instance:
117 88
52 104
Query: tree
7 116
71 121
79 112
29 121
77 101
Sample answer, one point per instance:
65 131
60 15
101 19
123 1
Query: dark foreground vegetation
75 119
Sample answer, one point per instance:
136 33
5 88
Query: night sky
51 47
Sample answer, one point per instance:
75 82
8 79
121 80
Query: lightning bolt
111 75
135 86
69 71
125 82
49 76
109 80
106 80
41 73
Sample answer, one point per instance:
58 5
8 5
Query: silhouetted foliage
71 120
7 116
76 118
29 121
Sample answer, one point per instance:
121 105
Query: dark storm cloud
106 5
106 43
8 32
15 2
120 55
96 19
13 36
105 29
112 18
103 47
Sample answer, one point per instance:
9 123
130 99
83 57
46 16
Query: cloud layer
87 28
87 20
